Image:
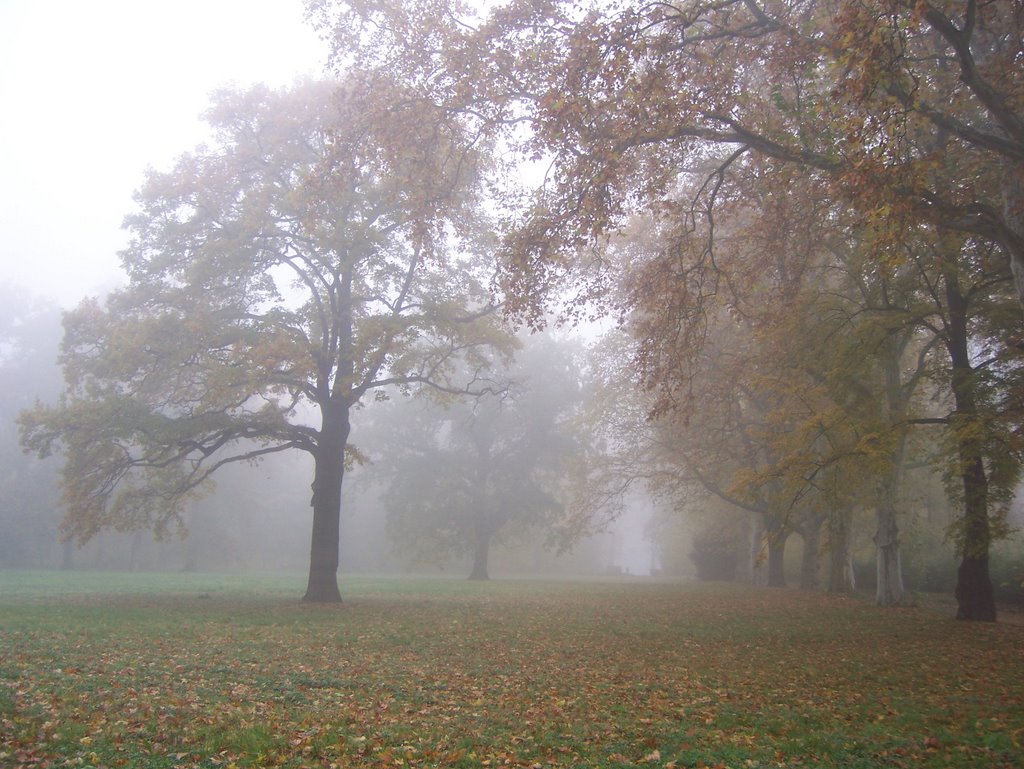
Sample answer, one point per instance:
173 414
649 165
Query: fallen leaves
664 676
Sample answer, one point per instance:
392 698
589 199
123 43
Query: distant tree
464 474
324 247
29 338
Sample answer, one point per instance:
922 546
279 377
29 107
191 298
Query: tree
323 248
621 97
464 474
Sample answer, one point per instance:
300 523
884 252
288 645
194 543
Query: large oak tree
324 246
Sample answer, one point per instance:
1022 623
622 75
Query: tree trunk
481 555
1013 215
758 572
810 565
889 589
326 503
840 567
776 561
974 594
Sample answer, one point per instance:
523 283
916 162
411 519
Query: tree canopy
324 247
898 126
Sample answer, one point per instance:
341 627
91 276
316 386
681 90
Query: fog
98 94
257 517
93 94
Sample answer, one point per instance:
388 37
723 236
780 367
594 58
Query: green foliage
442 673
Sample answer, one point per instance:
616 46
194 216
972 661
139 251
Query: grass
163 671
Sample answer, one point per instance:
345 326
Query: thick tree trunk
329 473
840 565
810 564
974 594
481 556
889 590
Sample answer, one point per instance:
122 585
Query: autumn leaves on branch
835 187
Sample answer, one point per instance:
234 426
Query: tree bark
481 556
810 564
974 593
889 590
840 569
776 553
329 473
975 596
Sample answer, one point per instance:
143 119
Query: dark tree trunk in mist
840 569
326 502
774 540
888 566
481 555
889 590
974 594
810 565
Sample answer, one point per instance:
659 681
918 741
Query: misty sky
91 93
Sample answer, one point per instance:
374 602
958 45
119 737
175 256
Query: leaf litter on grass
516 675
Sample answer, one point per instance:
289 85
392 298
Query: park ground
162 671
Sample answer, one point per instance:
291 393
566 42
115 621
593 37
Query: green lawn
224 671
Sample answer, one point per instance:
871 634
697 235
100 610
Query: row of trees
806 215
849 167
